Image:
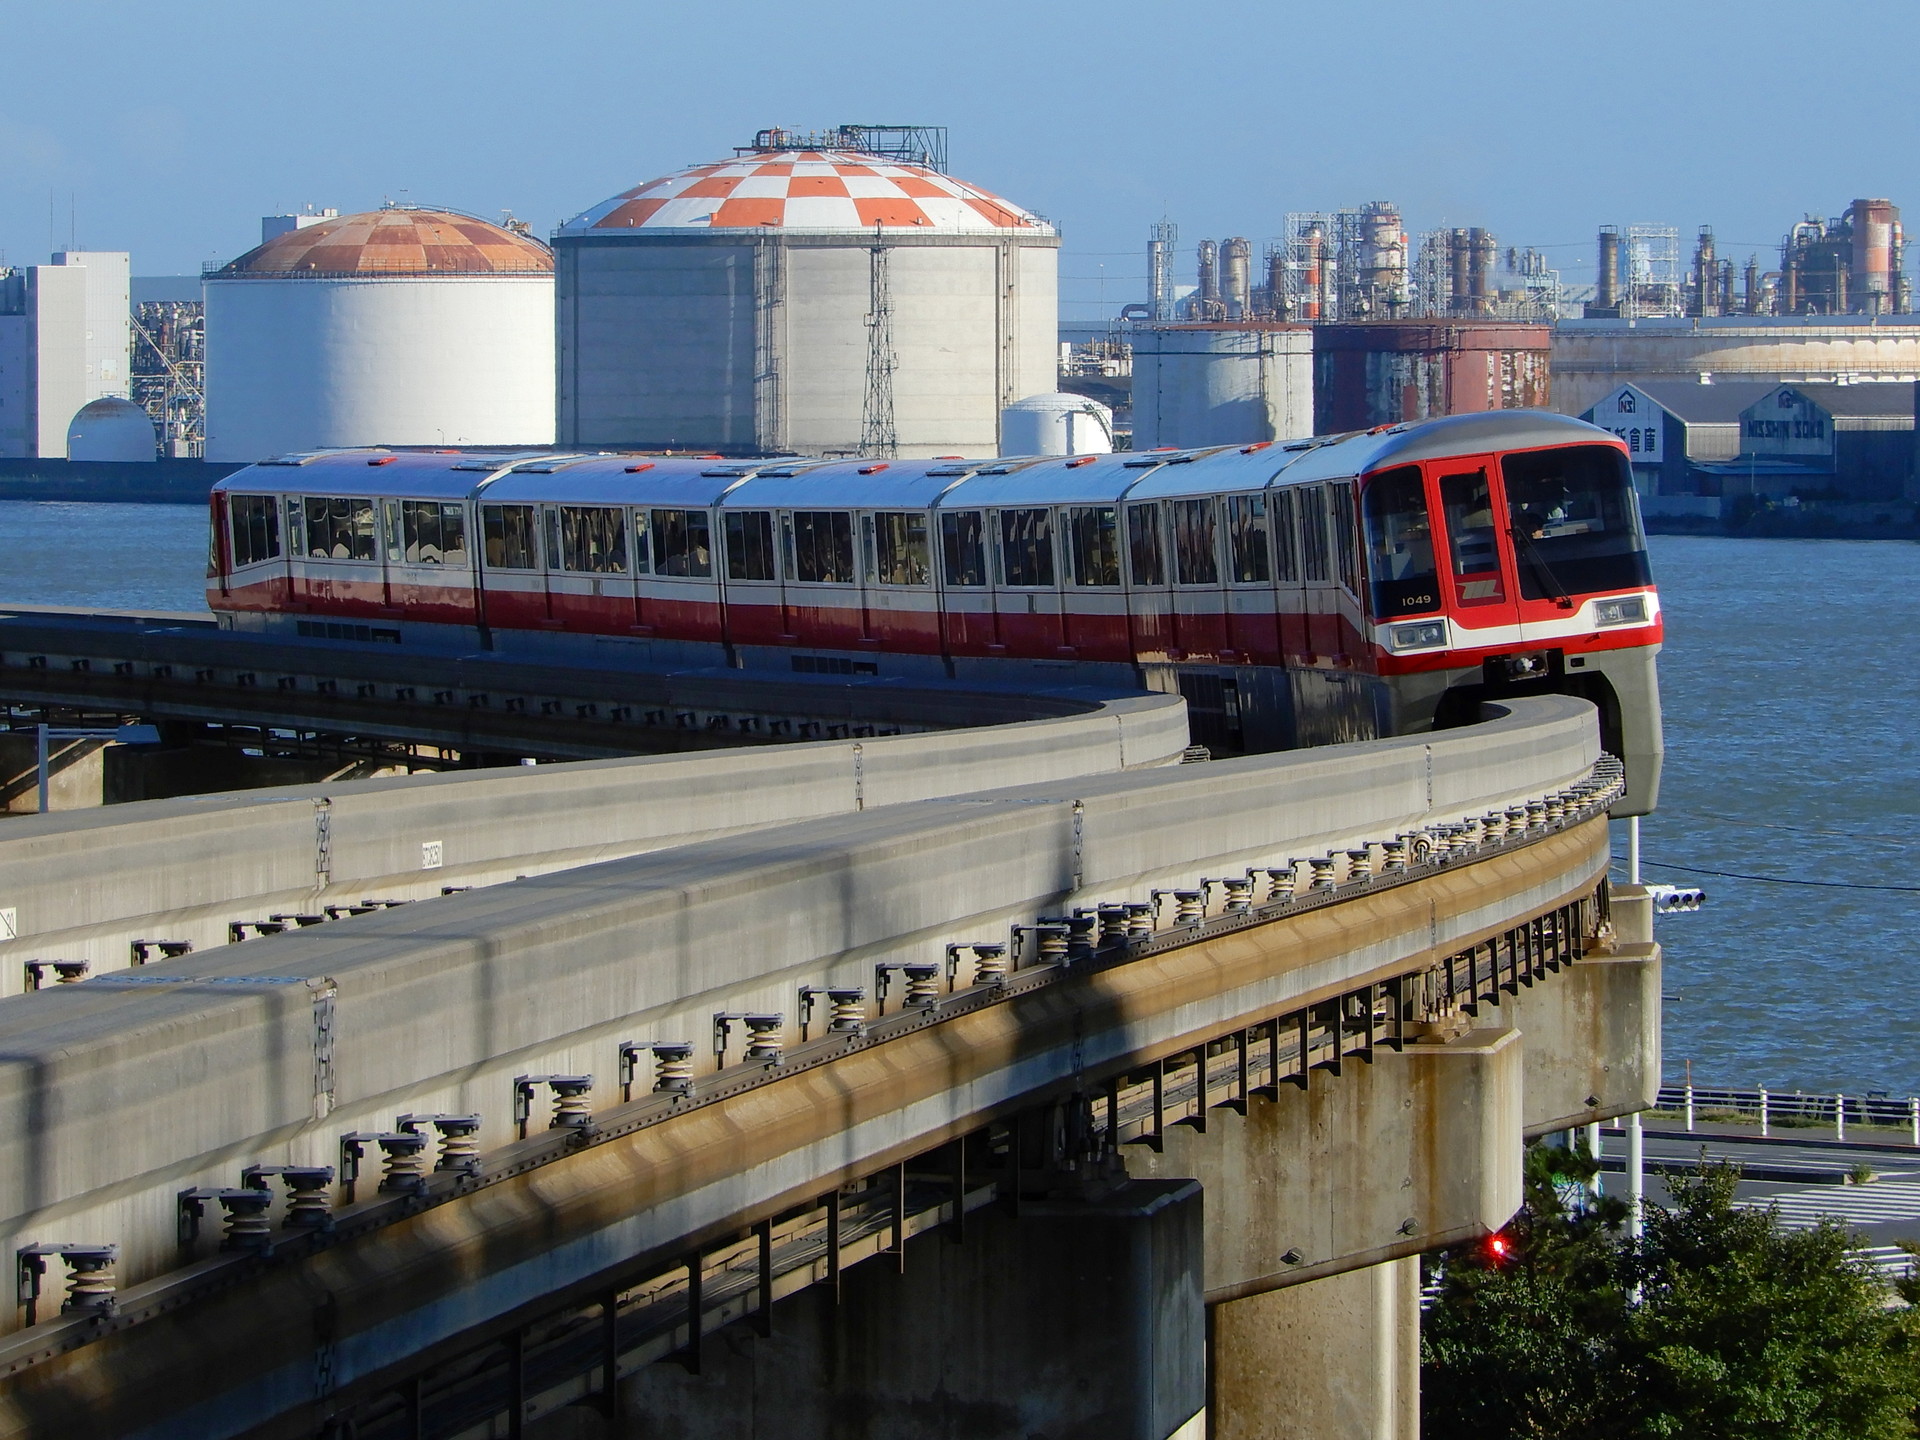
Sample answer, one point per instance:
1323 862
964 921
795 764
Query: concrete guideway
122 1092
186 870
176 667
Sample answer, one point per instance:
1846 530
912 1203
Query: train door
1027 597
1094 619
390 556
1289 589
1253 633
1149 583
1479 559
967 619
1320 587
752 603
1199 596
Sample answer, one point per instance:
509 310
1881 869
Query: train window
1313 533
1094 539
1247 533
1026 546
750 545
1286 544
340 529
507 532
823 546
963 548
296 526
1467 502
642 549
900 545
593 539
1400 544
1143 545
1574 523
682 544
256 528
1196 556
432 533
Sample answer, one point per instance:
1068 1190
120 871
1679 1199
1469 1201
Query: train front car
1505 556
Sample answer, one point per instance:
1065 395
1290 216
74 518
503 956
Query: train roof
675 480
852 484
1343 456
363 473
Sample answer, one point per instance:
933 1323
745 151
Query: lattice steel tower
878 436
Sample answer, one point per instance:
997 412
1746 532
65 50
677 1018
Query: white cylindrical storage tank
111 429
1221 384
804 297
395 327
1056 424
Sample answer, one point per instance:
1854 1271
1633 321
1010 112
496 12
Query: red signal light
1497 1248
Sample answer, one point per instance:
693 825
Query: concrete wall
1081 1320
1592 357
115 1095
183 869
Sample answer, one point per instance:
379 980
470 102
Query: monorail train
1345 587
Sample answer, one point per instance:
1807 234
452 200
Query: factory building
1381 372
1673 426
822 294
1221 384
394 327
63 343
1851 443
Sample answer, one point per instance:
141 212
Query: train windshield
1575 527
1400 544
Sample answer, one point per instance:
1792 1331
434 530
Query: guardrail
1792 1109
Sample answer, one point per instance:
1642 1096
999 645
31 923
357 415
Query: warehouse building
1672 426
64 336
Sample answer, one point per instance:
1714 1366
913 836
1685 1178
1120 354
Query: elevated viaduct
1192 1060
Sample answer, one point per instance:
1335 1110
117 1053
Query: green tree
1741 1329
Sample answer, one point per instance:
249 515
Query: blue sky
168 130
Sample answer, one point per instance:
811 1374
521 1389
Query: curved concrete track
85 885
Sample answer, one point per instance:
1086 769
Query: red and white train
1338 588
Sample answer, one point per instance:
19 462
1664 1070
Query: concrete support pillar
1333 1357
75 773
1074 1321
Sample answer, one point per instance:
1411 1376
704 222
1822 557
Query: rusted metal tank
1381 372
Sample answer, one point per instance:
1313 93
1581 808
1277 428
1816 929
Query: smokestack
1486 251
1236 280
1606 295
1726 287
1873 223
1313 255
1277 283
1460 272
1705 272
1753 285
1209 296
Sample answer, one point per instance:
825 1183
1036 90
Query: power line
1773 879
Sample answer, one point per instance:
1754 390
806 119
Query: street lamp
124 734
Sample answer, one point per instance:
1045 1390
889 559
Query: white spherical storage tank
1056 424
111 429
394 327
803 298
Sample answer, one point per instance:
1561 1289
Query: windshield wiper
1559 592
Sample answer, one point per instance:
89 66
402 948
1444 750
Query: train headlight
1631 610
1424 636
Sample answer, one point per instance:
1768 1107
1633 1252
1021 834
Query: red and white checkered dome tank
808 190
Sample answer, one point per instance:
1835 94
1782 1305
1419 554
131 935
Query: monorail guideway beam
1488 834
